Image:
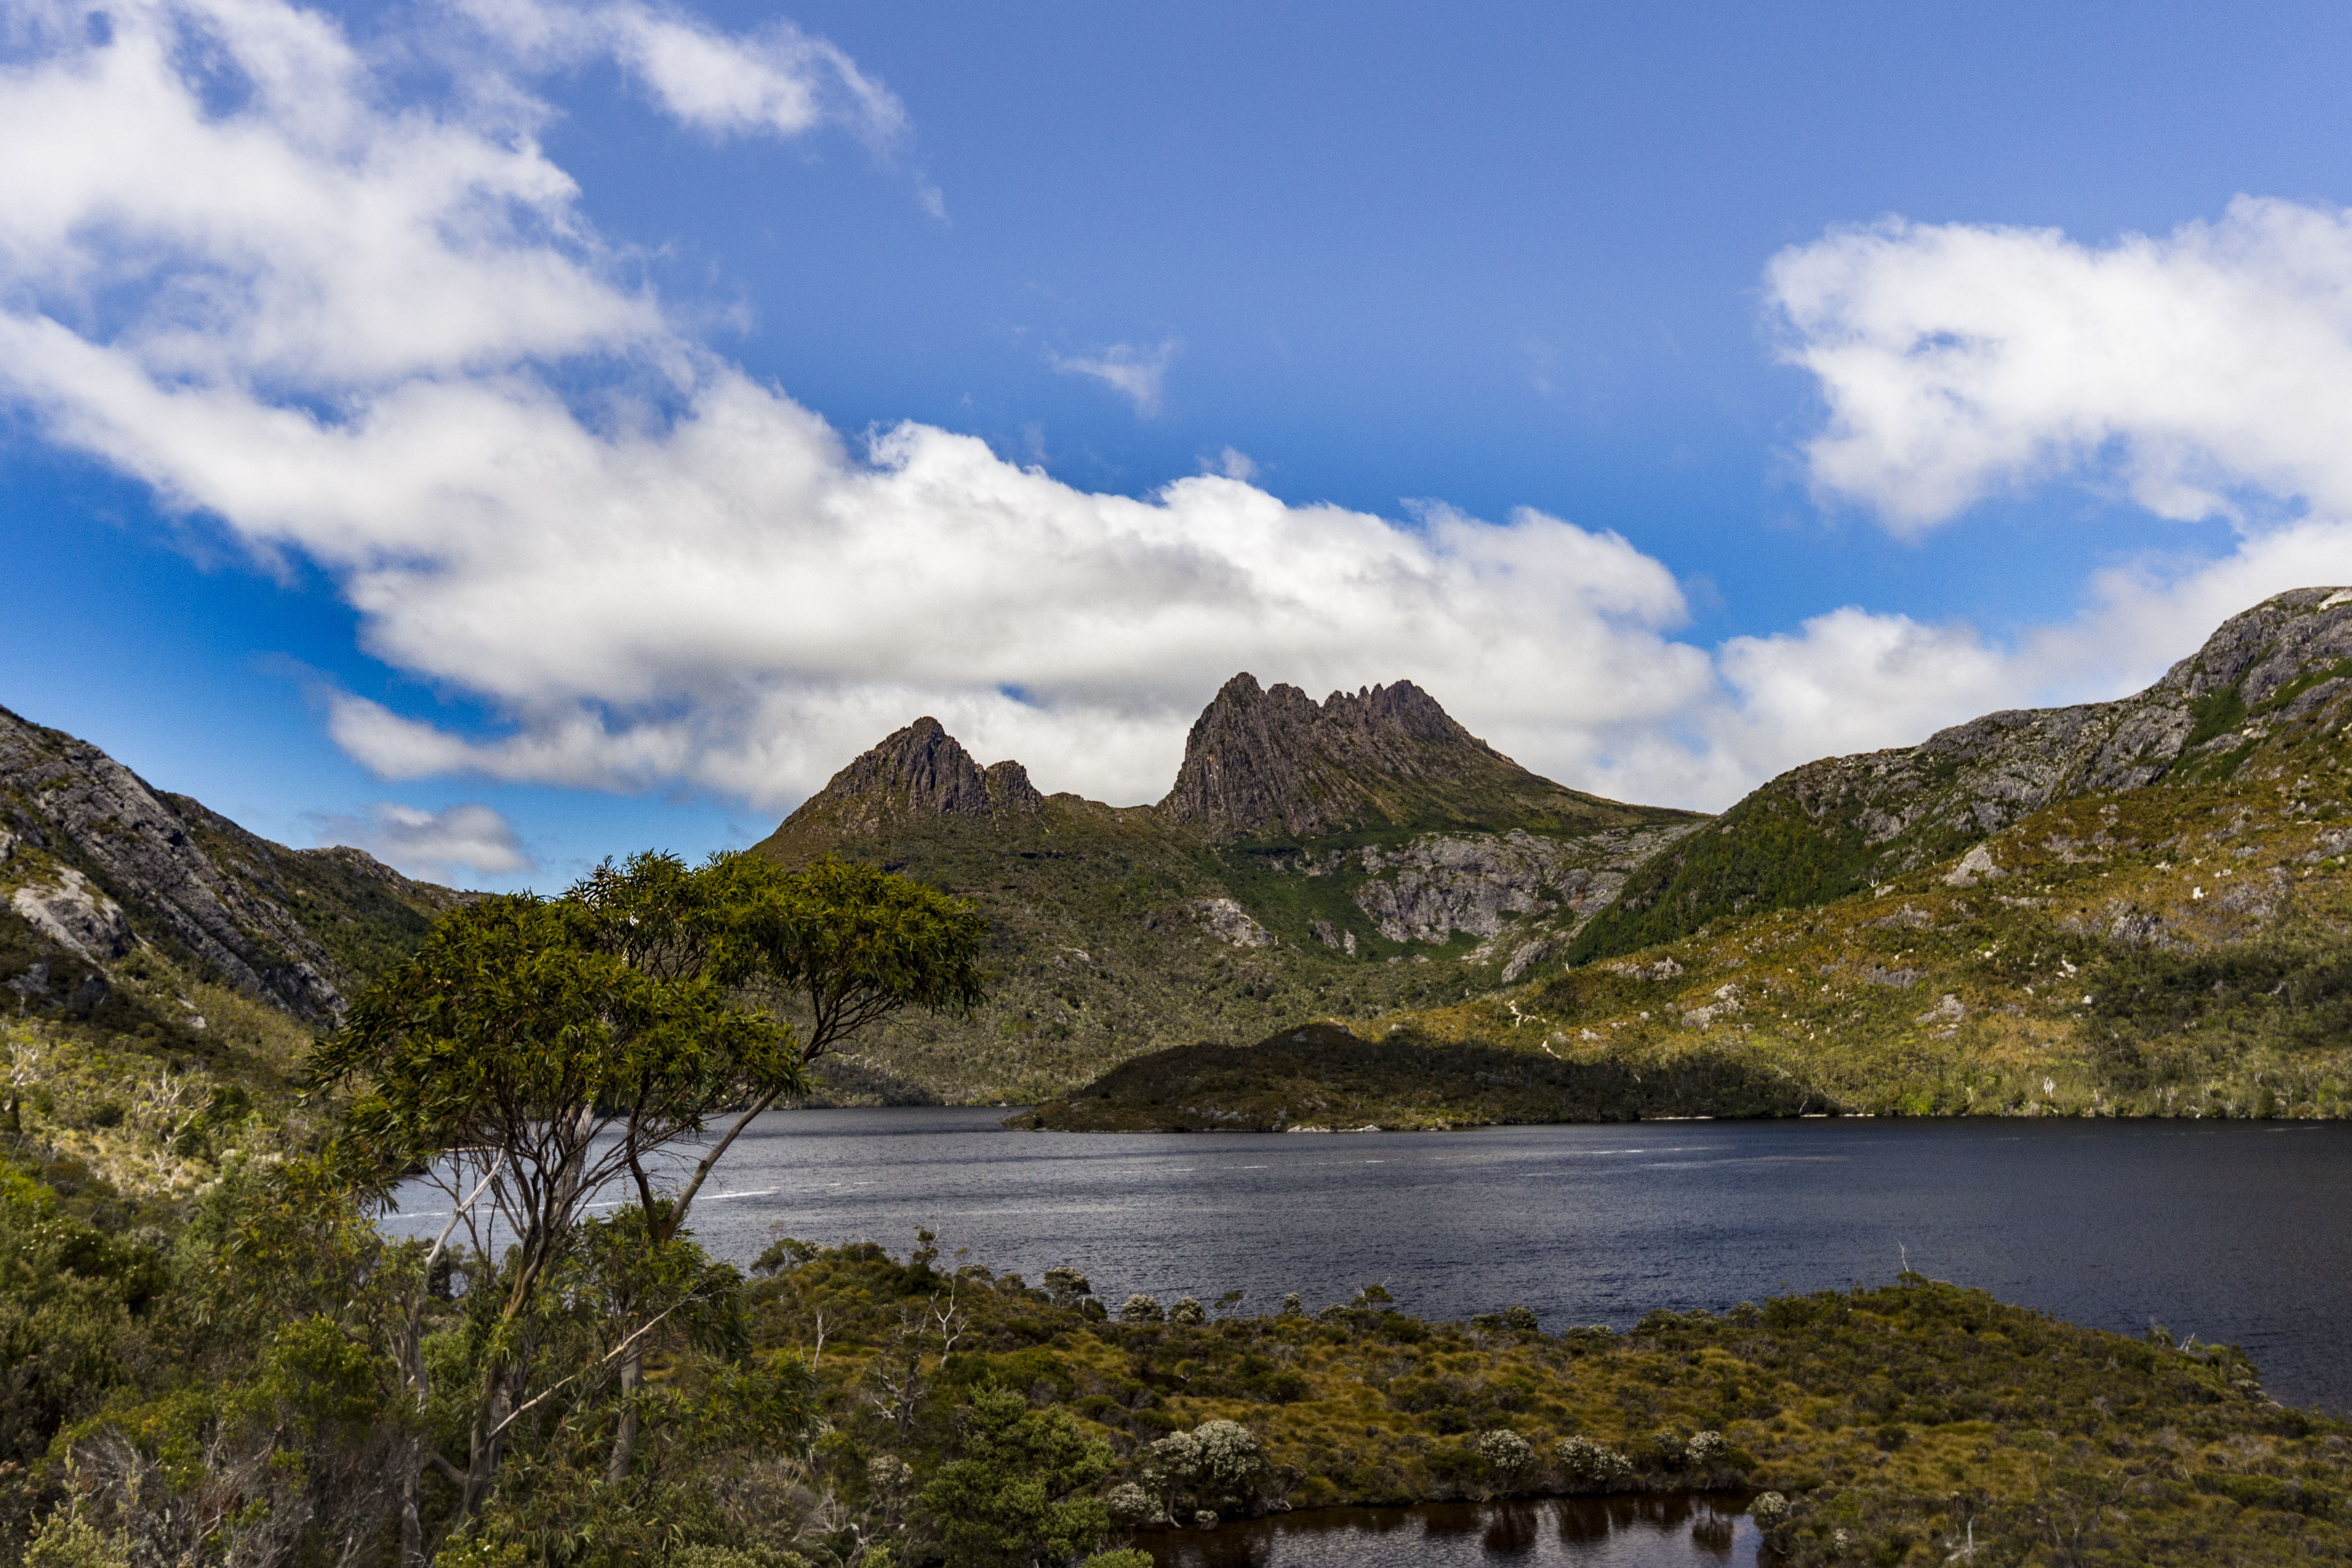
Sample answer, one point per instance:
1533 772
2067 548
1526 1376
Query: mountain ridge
96 863
1840 824
1366 852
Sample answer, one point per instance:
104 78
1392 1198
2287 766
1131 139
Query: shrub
1293 1307
63 1542
1131 1507
1586 1466
1067 1285
1770 1511
1187 1310
1139 1308
1707 1450
1218 1464
1520 1318
1510 1460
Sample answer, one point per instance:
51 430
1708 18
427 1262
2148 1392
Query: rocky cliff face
1843 823
1439 883
1273 764
94 862
918 774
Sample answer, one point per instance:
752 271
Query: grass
2172 951
1903 1421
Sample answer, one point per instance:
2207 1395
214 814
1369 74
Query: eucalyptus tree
527 1066
535 1054
836 946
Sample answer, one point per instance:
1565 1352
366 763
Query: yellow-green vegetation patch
1899 1421
2158 952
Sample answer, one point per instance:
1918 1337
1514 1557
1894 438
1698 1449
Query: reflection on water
1592 1533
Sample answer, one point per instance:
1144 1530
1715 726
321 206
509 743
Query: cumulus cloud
381 337
2201 370
702 583
1137 374
442 843
2201 373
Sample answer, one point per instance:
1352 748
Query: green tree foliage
535 1051
546 1066
1010 1499
74 1303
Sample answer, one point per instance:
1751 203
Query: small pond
1650 1531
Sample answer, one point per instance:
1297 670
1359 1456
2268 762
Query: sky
503 433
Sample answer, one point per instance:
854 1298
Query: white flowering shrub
1139 1308
1065 1285
1587 1466
1770 1511
1708 1449
1131 1507
1187 1310
1510 1459
1218 1464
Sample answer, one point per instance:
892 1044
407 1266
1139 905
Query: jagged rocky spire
1275 761
919 772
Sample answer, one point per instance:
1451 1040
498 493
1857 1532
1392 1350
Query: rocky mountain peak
917 773
1273 763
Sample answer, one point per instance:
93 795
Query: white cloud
338 325
469 837
1853 681
778 80
1139 375
2203 369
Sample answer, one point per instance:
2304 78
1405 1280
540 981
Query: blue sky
507 433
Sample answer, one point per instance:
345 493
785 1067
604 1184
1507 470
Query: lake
2238 1232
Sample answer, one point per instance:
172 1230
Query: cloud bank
380 336
2203 371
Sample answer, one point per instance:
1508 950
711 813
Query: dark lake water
1589 1532
2238 1232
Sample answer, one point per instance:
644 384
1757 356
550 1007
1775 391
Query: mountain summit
915 774
1276 764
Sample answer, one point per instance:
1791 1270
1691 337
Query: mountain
1277 766
2141 907
1846 824
98 866
1352 856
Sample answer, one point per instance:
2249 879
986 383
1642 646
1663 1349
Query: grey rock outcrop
1441 883
99 860
1273 764
76 915
1227 921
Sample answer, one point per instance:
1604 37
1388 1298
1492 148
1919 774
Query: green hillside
1846 824
2175 951
1117 932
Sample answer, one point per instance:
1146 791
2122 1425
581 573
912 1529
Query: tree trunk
412 1524
625 1440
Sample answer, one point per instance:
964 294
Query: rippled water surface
2230 1232
1620 1533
